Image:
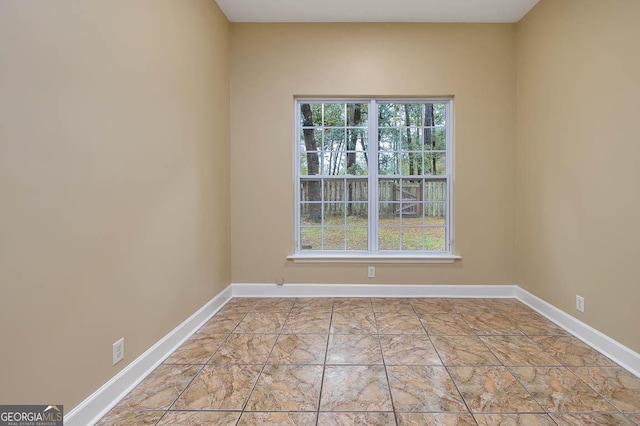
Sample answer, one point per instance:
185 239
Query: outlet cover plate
118 351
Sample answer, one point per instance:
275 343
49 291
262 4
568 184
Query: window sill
372 258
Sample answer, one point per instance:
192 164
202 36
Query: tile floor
362 361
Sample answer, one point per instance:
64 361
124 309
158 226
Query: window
374 176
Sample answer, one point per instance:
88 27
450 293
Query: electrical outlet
118 351
280 281
580 303
371 272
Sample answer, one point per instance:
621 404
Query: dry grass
414 234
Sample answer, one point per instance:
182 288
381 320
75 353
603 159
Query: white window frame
373 176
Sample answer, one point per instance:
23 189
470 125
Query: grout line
324 364
264 365
478 334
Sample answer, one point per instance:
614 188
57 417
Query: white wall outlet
118 351
371 272
580 303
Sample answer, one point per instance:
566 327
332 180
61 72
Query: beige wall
578 201
272 63
114 184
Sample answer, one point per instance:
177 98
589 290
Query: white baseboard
619 353
371 290
101 401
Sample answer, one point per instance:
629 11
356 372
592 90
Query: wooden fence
415 196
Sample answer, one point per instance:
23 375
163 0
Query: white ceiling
375 10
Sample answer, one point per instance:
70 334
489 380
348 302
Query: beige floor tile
345 305
572 352
277 418
261 322
399 323
244 349
221 324
514 420
463 351
423 389
199 418
557 389
358 349
634 418
486 323
445 324
219 387
403 349
432 306
313 305
533 324
518 351
161 388
616 385
574 383
355 388
287 388
492 390
299 349
435 419
353 419
241 302
124 417
307 322
197 350
391 304
272 305
591 419
353 323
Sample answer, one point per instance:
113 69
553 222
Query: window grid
412 213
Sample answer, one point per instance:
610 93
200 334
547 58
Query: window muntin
348 203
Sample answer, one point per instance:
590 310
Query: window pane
388 238
333 163
357 190
389 139
334 238
412 238
311 214
357 115
357 239
411 139
310 190
310 115
333 214
334 115
357 163
389 115
386 190
439 114
357 214
435 138
435 239
414 114
412 163
357 140
435 163
435 214
334 140
388 163
310 238
334 190
435 190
